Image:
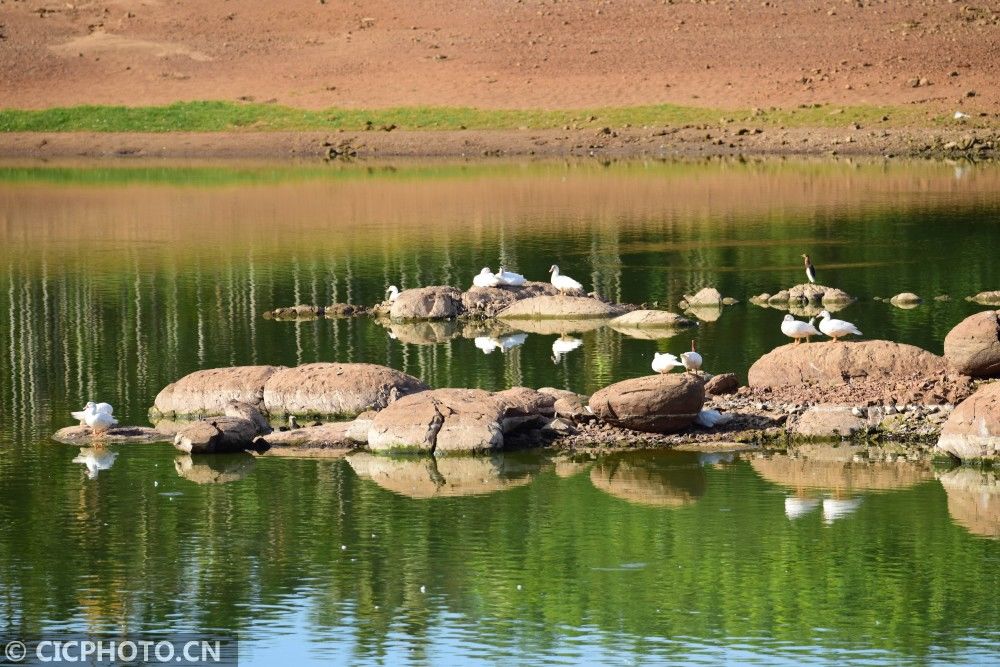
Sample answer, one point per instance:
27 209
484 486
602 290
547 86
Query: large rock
560 307
440 421
706 296
837 363
490 301
206 393
721 384
427 303
216 436
524 407
972 431
336 390
654 403
973 346
826 421
331 439
567 403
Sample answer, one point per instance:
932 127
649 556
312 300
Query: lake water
116 280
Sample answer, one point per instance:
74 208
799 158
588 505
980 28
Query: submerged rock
972 431
653 403
560 307
207 392
973 346
991 298
335 390
438 302
330 439
906 300
307 312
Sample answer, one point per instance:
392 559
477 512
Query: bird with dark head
810 269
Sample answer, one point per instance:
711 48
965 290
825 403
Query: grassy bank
232 116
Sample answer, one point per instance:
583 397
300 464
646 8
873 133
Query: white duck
509 277
486 278
96 459
98 421
664 362
835 329
711 418
391 293
960 115
562 345
798 329
563 283
81 415
692 360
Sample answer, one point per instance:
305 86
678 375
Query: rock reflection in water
660 479
974 500
431 477
424 333
214 468
560 327
95 459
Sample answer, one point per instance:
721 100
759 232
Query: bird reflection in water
95 459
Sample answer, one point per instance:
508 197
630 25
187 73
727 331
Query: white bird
509 277
563 283
798 329
960 116
836 508
664 362
835 329
98 421
392 293
692 360
96 459
711 418
796 507
81 415
562 345
486 278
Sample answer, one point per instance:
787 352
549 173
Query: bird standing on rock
810 269
836 329
664 362
692 360
509 277
798 329
392 293
563 283
81 415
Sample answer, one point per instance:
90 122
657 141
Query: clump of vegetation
219 116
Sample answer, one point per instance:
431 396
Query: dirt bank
727 140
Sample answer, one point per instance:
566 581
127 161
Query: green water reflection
116 281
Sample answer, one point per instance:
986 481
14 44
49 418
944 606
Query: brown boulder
522 406
335 390
567 403
972 431
560 307
489 301
310 440
706 296
653 403
973 346
207 392
839 363
827 421
216 436
427 303
439 421
723 383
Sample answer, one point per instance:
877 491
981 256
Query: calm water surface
117 280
